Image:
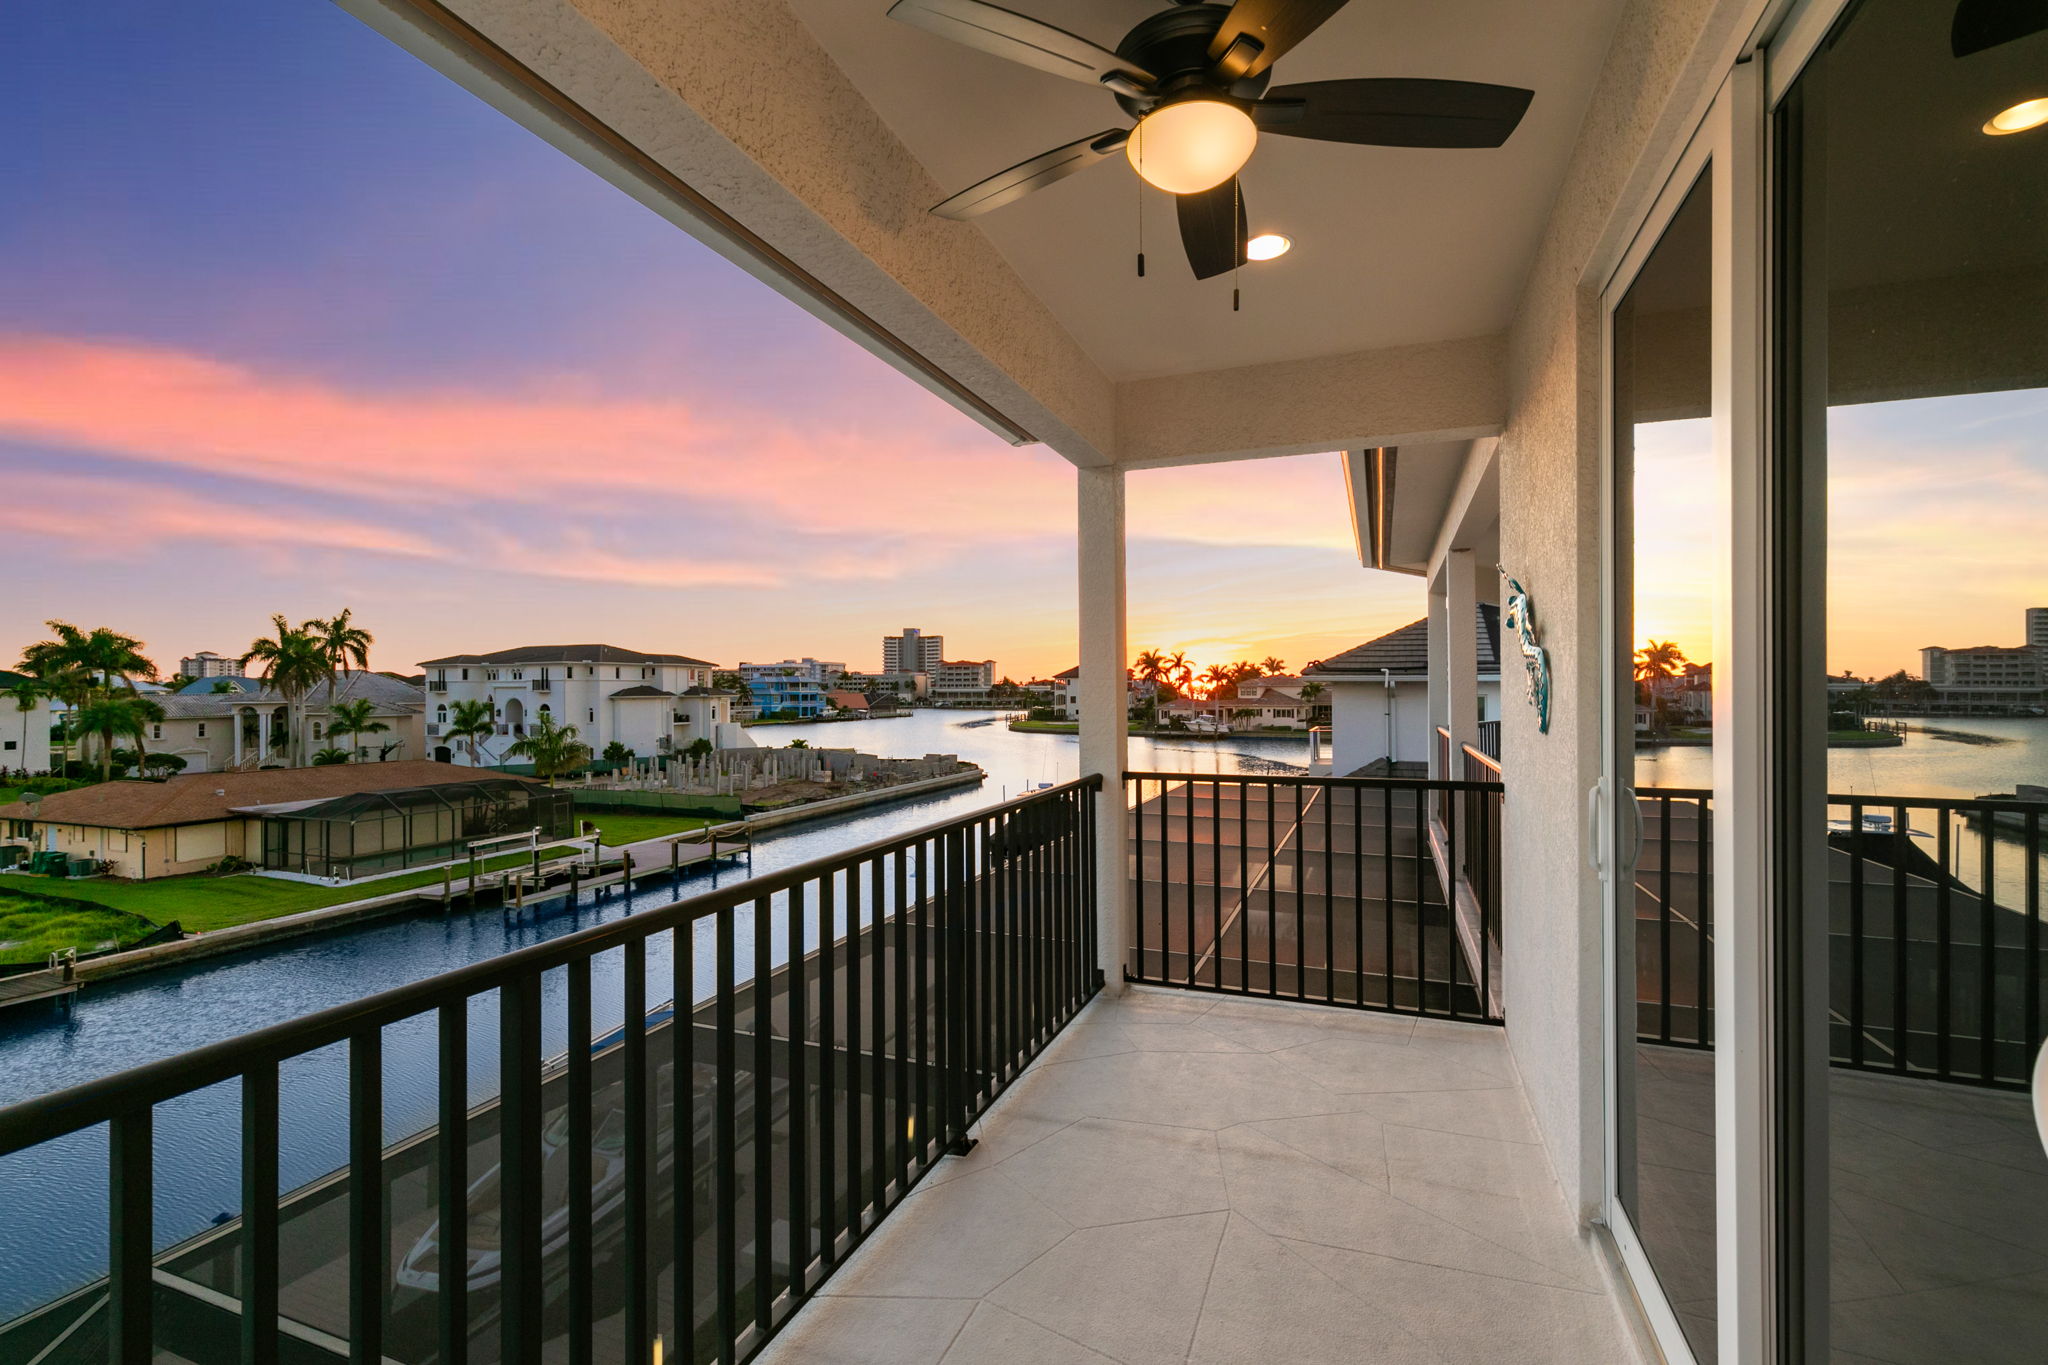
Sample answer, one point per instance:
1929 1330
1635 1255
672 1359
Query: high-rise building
913 652
207 664
2037 628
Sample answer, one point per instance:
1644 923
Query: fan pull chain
1139 181
1236 241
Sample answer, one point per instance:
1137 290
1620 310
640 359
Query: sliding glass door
1913 535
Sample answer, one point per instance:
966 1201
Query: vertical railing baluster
881 1080
639 1285
1357 894
131 1174
725 1138
1272 852
1664 915
1703 913
1944 995
797 991
1091 872
259 1214
683 1139
830 1088
2031 971
1326 797
1454 811
581 1174
452 1161
1387 884
1137 788
1902 1021
901 1118
368 1248
520 1170
1987 949
859 1087
927 885
1857 859
1300 835
764 1116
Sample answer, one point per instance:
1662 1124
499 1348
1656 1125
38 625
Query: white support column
1104 698
1439 669
235 720
262 735
1461 654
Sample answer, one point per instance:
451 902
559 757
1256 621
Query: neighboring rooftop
566 654
631 693
197 798
200 702
1405 652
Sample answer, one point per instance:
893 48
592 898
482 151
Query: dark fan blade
1987 23
1007 187
1396 112
1257 33
1002 33
1212 228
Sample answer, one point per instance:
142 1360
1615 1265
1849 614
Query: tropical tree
617 752
352 719
1658 659
1177 670
328 758
341 644
1150 666
222 686
552 748
112 716
108 656
26 694
471 723
733 683
162 763
1216 677
799 744
699 747
1271 666
1242 713
294 663
1310 692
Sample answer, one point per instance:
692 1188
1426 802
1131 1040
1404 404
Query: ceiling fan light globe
1191 145
2018 119
1267 246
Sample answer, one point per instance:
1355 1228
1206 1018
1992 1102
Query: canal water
53 1198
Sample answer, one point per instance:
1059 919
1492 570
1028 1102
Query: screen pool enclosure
387 831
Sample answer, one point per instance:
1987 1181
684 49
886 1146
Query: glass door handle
2039 1096
1595 829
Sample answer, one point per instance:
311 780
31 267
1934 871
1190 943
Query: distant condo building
913 652
207 664
651 703
793 687
1990 674
963 678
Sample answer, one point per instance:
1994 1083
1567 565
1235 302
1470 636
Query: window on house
202 729
465 675
8 745
592 715
156 732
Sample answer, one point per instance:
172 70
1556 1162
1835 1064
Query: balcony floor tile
1330 1187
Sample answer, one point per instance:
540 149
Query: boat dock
26 988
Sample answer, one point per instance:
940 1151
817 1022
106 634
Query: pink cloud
539 445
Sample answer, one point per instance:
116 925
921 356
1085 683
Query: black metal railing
1934 932
1489 739
673 1183
1326 890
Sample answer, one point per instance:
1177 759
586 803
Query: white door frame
1728 147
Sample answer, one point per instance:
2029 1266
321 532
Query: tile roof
633 693
196 798
387 696
1405 652
566 654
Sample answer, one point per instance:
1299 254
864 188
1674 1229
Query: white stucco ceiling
1392 245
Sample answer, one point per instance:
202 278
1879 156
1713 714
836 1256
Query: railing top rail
62 1112
1480 756
1434 784
1995 803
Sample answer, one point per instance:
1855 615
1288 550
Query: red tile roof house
402 814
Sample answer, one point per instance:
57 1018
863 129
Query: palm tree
79 665
1178 670
1309 692
472 722
1272 666
352 718
1150 666
327 758
1217 677
27 694
340 644
1658 659
112 716
294 663
552 747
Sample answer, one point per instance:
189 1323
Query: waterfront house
24 733
1533 1060
346 820
960 680
847 701
788 689
1383 694
647 702
249 725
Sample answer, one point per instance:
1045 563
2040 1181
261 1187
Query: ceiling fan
1195 78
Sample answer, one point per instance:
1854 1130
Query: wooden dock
29 987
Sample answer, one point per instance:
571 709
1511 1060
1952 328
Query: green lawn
203 903
31 930
618 828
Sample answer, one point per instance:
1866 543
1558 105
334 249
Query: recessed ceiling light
1266 246
1191 145
2022 116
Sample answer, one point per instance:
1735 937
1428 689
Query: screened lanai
367 833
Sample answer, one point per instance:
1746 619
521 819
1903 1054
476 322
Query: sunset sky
288 322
